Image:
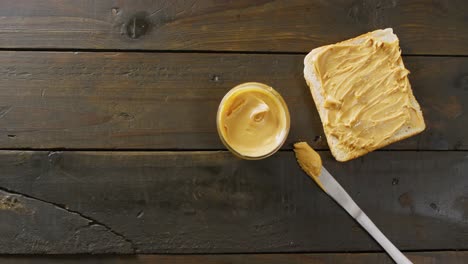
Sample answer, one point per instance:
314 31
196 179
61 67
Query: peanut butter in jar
253 120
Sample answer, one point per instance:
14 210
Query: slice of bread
341 149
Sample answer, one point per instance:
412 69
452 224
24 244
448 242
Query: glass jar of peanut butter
253 120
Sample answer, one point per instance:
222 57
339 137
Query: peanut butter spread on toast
367 95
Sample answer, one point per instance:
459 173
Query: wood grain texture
211 202
43 227
452 257
169 100
424 27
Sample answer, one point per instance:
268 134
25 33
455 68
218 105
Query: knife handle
370 227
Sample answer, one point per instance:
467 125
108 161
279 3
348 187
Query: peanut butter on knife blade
309 160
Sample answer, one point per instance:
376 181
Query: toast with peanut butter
362 93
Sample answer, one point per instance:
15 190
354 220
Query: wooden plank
211 202
169 101
453 257
46 228
434 27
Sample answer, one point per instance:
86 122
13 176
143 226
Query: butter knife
327 183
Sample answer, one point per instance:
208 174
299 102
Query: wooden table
109 145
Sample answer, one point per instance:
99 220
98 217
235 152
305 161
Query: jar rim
271 91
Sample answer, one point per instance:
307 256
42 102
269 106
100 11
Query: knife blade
334 190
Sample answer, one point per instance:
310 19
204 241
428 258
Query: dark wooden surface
424 27
452 257
108 141
169 100
211 202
